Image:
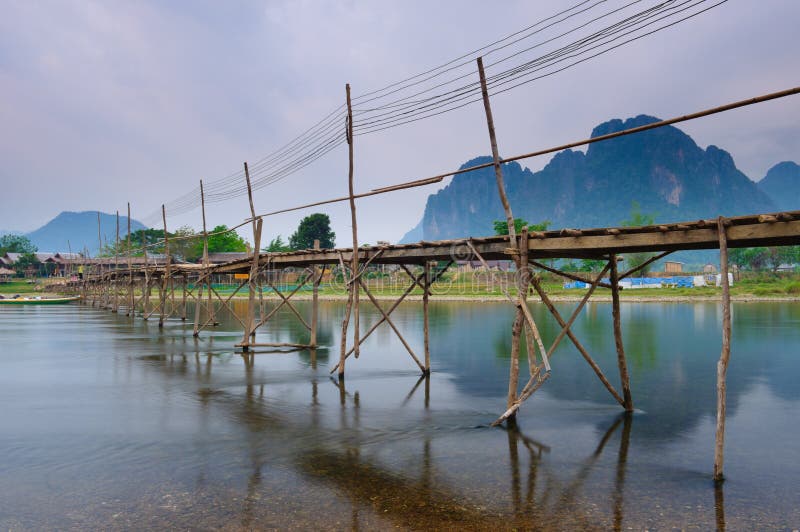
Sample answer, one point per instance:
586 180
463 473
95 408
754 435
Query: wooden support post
352 286
206 263
426 316
621 362
131 295
146 293
199 301
354 266
565 329
115 284
498 169
315 300
253 284
725 355
166 275
523 316
250 329
185 283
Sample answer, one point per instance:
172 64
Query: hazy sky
107 102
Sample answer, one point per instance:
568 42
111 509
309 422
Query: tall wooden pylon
352 286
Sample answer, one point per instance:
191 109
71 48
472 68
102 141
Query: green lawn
17 287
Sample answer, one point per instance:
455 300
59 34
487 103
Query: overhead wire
557 56
328 133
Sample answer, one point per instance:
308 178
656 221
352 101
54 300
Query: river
109 422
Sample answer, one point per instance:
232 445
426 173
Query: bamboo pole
206 262
388 320
166 274
284 301
146 282
354 222
621 362
426 317
498 170
131 295
725 355
250 330
199 300
352 288
116 267
315 300
185 280
516 328
566 330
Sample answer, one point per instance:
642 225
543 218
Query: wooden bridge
128 286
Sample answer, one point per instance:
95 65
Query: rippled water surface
108 422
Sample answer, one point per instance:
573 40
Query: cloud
107 102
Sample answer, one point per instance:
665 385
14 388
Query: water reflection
339 456
268 440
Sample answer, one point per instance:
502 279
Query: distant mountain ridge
782 184
78 231
663 170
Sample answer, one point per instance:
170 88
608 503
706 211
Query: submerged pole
621 362
315 300
725 355
426 317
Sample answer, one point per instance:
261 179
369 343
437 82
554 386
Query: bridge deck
778 229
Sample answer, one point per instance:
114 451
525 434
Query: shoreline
556 298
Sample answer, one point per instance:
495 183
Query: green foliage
501 226
147 236
315 226
793 288
25 262
277 245
226 241
591 265
638 219
12 243
757 259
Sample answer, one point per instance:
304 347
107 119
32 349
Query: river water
108 422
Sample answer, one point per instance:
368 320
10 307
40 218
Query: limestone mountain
782 185
78 231
664 170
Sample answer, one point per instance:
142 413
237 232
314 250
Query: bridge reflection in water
410 485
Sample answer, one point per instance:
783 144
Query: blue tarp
644 282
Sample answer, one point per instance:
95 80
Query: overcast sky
107 102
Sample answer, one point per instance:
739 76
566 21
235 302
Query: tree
501 226
761 258
638 219
26 262
277 245
225 241
189 249
12 243
749 258
777 256
591 265
315 226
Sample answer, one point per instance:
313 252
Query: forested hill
78 231
663 170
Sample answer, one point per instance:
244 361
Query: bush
793 288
